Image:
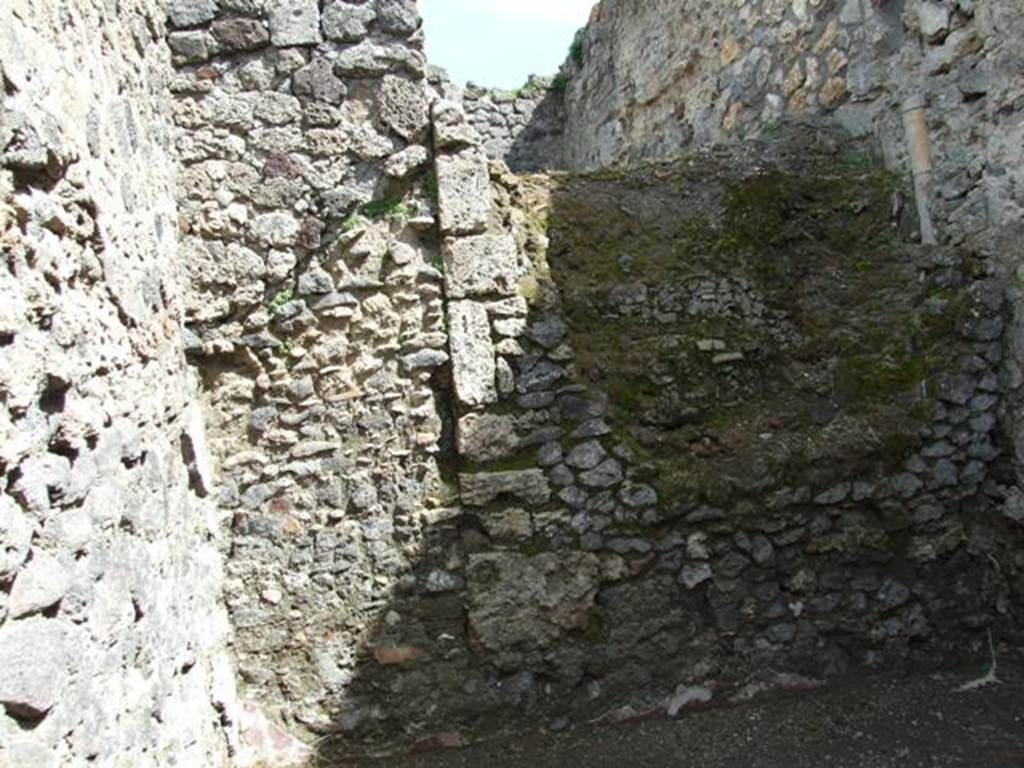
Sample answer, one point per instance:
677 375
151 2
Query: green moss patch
826 362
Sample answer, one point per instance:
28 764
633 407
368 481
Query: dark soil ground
920 721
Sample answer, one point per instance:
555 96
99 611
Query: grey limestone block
481 265
294 22
473 364
464 192
33 665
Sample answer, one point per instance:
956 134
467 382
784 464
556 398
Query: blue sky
498 43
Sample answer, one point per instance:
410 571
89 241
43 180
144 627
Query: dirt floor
920 721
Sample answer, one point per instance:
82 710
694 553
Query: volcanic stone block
295 22
481 488
41 584
473 366
240 34
188 13
487 437
518 602
482 265
33 666
451 130
347 23
464 192
403 106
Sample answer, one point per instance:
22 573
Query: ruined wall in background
314 307
112 630
653 78
649 80
524 127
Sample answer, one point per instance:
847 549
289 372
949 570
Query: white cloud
552 11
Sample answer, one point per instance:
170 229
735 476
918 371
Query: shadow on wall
538 147
526 127
725 429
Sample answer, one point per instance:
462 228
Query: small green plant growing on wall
375 210
284 353
530 88
559 83
430 186
384 209
282 298
350 223
576 50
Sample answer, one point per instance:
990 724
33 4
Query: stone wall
487 451
451 512
112 629
654 77
314 308
935 83
523 127
650 509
